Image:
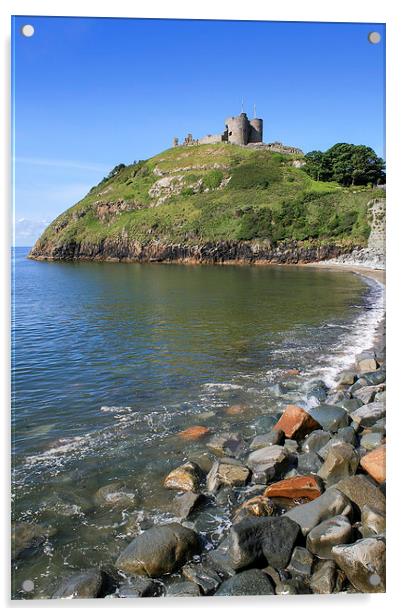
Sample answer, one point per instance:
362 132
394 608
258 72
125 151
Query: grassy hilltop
210 193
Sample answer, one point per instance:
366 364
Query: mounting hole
28 586
374 37
28 30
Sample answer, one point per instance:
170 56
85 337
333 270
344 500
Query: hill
211 202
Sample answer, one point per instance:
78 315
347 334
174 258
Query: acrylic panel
198 331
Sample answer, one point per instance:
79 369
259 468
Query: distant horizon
81 106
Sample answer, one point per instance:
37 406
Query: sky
91 93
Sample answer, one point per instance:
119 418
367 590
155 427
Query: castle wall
211 139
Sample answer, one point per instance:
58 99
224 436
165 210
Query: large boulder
159 550
374 463
330 417
363 563
315 441
185 478
342 460
227 472
301 486
328 505
251 582
262 540
327 578
206 577
368 414
361 491
367 394
275 437
296 422
334 531
83 585
268 463
366 362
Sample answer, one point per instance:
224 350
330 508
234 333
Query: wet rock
64 507
114 495
296 423
361 491
301 562
350 405
193 433
83 585
257 506
347 377
183 589
366 362
373 522
186 478
236 409
347 435
368 393
318 392
279 389
308 463
220 559
342 460
323 537
290 445
227 472
159 550
265 423
327 578
185 504
371 440
206 578
254 540
363 563
275 437
315 441
373 378
268 463
26 538
226 444
137 586
330 417
368 414
374 463
251 582
326 506
301 486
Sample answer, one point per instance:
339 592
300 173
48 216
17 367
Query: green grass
224 192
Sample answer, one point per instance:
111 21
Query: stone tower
255 134
241 130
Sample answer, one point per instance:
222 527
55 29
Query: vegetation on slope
208 193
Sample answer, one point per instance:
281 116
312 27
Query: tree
347 164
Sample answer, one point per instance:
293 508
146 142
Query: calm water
111 360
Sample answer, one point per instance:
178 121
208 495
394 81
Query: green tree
347 164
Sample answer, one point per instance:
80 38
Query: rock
318 392
206 578
302 486
323 537
137 586
347 435
361 491
236 409
374 463
373 378
26 538
315 441
347 377
326 578
84 585
275 437
373 522
368 393
227 473
226 444
159 550
251 582
301 562
185 478
350 405
290 445
220 560
295 422
308 463
183 589
203 460
65 506
257 506
363 563
254 539
265 423
185 504
268 462
330 417
278 389
342 460
292 372
194 433
366 362
114 495
371 440
326 506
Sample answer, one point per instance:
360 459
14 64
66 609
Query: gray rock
159 550
227 444
361 491
373 522
366 362
371 440
368 414
206 578
183 589
330 417
137 586
318 392
275 437
220 560
268 463
374 378
227 473
350 405
308 463
363 563
251 582
301 562
334 531
254 539
83 585
290 445
315 441
342 460
114 495
326 578
380 397
326 506
265 423
185 504
347 377
368 393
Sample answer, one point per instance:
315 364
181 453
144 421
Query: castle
239 130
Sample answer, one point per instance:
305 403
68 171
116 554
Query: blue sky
90 93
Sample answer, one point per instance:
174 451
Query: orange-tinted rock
236 409
194 432
374 463
292 372
296 422
257 506
304 486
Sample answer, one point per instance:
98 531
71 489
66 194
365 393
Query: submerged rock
83 585
227 444
333 531
159 550
26 538
328 505
114 495
295 422
363 563
251 582
194 433
374 463
186 478
301 486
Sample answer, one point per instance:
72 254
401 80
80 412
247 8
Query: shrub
258 174
213 179
255 224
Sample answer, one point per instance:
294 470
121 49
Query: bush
213 179
259 174
255 224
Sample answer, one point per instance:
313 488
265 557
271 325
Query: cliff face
211 203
